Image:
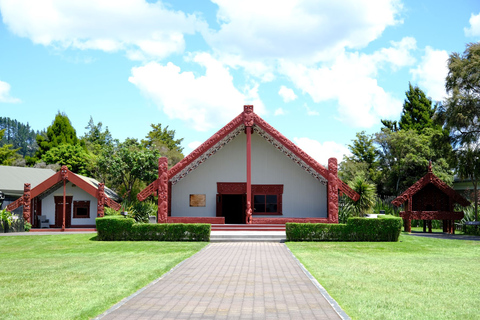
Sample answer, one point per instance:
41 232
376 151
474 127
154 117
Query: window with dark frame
81 209
265 203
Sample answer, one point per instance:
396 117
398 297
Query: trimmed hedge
384 228
117 228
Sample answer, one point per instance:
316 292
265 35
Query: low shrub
115 228
384 228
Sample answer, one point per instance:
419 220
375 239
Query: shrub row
384 228
115 228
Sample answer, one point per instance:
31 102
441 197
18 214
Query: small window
265 203
81 209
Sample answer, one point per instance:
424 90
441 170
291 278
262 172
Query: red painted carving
152 188
430 199
432 215
332 191
64 172
248 118
249 213
26 202
103 200
162 190
231 188
100 200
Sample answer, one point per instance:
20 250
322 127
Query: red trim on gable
433 179
291 146
239 120
219 135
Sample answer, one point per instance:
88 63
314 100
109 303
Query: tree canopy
461 109
7 153
60 132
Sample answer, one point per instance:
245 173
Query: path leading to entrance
245 280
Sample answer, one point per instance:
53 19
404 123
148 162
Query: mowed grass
416 278
76 277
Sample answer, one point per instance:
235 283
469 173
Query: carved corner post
332 191
248 122
162 190
101 200
407 221
27 201
64 173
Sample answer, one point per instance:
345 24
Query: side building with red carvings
248 172
64 200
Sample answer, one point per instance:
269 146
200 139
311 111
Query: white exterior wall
227 165
48 204
303 195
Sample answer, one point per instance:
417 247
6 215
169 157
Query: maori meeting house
247 173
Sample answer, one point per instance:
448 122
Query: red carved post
101 200
248 120
26 202
64 173
332 187
162 190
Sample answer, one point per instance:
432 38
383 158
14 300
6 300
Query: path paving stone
242 280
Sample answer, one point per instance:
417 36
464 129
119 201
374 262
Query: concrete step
247 236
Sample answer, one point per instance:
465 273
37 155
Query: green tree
469 168
126 164
60 132
165 136
73 156
163 140
19 135
96 138
404 157
368 195
363 160
418 111
461 110
7 154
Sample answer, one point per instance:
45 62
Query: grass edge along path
416 278
76 277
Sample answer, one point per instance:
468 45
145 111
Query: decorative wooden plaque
197 200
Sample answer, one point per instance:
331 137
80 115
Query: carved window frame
81 205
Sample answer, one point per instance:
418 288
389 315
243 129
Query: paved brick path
244 280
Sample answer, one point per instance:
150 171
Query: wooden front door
59 211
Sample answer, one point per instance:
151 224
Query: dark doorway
59 211
233 208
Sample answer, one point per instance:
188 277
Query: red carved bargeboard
432 215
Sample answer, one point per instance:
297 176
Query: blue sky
318 71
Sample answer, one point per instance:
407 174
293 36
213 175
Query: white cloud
279 112
142 29
302 30
430 74
350 80
474 30
287 94
205 102
322 151
192 146
5 94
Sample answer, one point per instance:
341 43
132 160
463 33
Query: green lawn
416 278
76 277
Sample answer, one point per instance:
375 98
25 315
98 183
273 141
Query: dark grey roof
12 179
109 192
